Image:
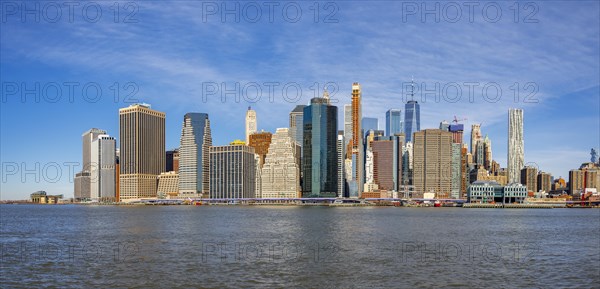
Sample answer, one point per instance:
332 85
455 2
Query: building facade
296 123
516 148
142 150
103 170
280 174
168 185
432 156
195 141
232 172
261 141
393 122
529 178
319 162
412 119
251 123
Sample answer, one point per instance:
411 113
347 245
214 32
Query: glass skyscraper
412 119
319 163
193 155
393 122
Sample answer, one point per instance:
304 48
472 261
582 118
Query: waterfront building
484 192
387 162
319 162
514 193
232 172
432 156
168 185
142 150
82 182
196 139
280 177
103 169
544 182
341 158
576 183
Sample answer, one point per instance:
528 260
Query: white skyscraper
280 176
516 147
251 123
341 147
102 178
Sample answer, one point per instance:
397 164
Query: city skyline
560 127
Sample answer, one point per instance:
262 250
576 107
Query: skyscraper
369 123
142 150
475 138
102 178
357 142
232 172
251 123
432 168
296 123
387 162
348 125
319 163
544 182
412 119
280 177
341 158
529 178
195 142
457 131
82 181
516 148
393 122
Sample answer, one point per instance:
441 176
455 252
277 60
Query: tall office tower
576 182
341 158
357 142
544 182
487 153
387 162
142 150
369 123
102 174
393 122
280 177
516 148
260 141
475 138
196 139
412 119
432 168
82 179
456 170
251 123
172 160
319 162
457 132
529 178
445 125
296 123
232 172
348 125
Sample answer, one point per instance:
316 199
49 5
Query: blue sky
174 48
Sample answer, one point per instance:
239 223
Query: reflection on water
319 247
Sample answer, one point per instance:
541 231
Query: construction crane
456 120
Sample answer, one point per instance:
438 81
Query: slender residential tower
516 147
193 155
142 150
357 142
251 123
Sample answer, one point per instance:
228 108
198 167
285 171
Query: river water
307 247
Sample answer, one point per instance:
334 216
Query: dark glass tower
319 163
412 119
